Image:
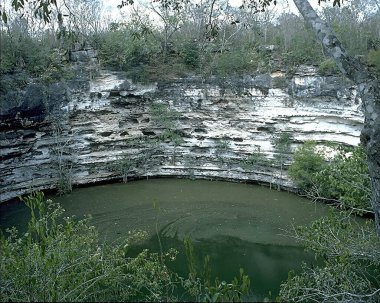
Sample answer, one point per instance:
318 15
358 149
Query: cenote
237 225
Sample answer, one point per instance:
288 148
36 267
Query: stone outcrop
105 127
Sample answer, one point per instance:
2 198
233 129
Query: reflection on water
237 225
267 265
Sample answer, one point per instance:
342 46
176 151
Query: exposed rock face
107 123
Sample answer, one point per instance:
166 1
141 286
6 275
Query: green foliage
351 268
236 61
190 54
39 58
200 285
222 146
256 159
302 54
328 67
123 166
119 49
373 60
166 118
56 70
347 180
296 41
306 163
19 51
64 261
282 146
61 259
343 180
42 9
149 53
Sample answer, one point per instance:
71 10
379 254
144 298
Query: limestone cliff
87 130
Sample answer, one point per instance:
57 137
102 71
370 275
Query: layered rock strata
105 128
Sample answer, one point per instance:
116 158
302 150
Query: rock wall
105 127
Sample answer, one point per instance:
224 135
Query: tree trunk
368 89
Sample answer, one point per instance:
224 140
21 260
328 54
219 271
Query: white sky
114 14
110 6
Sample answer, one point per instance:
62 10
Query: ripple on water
238 225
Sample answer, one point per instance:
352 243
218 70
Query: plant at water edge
351 267
62 259
200 286
342 180
306 163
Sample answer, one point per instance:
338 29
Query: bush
344 180
190 54
350 271
307 162
55 70
373 60
61 259
65 262
328 67
234 62
119 49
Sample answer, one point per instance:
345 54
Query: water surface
238 225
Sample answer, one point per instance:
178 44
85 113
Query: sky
110 6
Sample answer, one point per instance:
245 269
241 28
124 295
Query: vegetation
62 157
65 262
231 41
374 61
350 271
256 159
61 259
167 119
307 162
282 147
124 165
342 180
328 67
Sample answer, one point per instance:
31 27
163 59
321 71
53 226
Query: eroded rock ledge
89 127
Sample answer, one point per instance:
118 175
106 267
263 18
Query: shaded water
238 225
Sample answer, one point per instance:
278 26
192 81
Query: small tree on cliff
282 147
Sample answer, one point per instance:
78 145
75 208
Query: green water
237 225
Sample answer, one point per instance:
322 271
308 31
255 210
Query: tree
350 270
42 9
368 88
282 147
334 174
170 13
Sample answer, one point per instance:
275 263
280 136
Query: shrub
190 54
61 259
344 180
307 162
235 62
65 262
119 49
350 269
373 60
328 67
